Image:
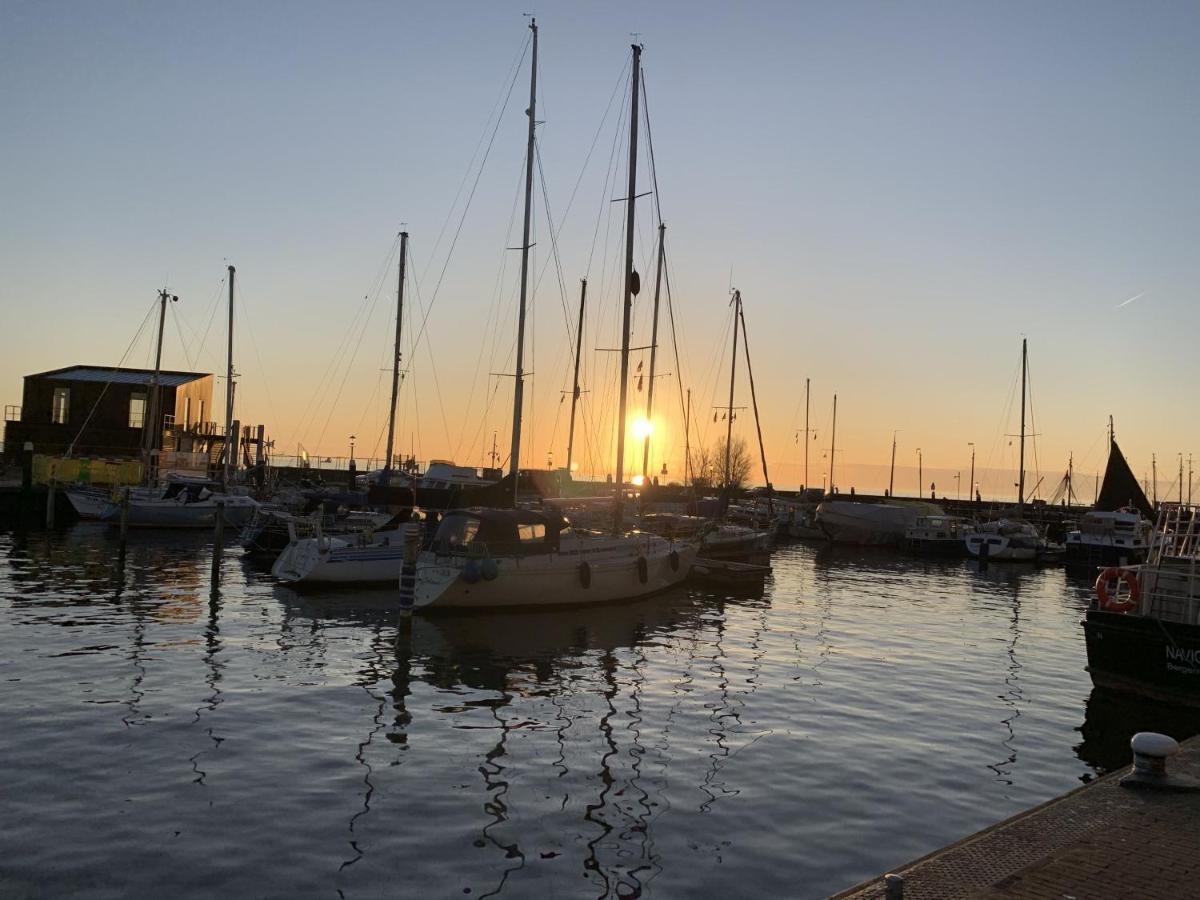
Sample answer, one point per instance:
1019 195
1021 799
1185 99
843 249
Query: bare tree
703 475
740 464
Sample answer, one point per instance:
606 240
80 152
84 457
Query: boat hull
549 580
1140 655
336 561
172 514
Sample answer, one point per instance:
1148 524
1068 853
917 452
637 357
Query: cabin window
534 531
456 532
137 410
60 407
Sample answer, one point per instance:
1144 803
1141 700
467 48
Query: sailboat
178 501
1014 540
365 557
501 558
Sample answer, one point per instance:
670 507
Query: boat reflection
1111 719
576 675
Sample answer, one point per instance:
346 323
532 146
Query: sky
901 193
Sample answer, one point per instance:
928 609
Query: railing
1171 580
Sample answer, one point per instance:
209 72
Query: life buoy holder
643 570
1111 604
585 574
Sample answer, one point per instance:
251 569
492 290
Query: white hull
999 549
557 579
869 524
89 504
327 560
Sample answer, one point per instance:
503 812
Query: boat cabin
498 532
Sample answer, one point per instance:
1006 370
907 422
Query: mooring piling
218 545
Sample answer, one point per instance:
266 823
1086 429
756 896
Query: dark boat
728 573
1148 642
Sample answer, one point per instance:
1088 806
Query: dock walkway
1099 842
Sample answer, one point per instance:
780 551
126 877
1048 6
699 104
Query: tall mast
519 391
1154 475
762 452
892 474
737 305
1070 478
387 462
631 206
575 390
662 229
806 386
832 443
230 437
687 444
150 416
1021 475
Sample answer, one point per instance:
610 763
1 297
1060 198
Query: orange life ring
1112 573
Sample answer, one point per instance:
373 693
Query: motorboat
1117 538
364 557
1010 540
1143 628
494 558
176 503
938 536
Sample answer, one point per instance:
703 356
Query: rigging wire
136 337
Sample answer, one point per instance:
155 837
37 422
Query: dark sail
1120 487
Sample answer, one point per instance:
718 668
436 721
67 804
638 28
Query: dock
1101 840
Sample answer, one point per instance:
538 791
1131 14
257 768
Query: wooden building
101 411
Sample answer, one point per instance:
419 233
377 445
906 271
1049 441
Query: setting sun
642 428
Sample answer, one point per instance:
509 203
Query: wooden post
218 545
50 501
408 569
124 518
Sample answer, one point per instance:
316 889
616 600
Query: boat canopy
498 532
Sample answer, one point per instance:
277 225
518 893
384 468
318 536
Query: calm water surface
865 709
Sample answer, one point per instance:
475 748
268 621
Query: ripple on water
864 710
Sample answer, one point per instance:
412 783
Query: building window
200 418
187 412
137 410
60 408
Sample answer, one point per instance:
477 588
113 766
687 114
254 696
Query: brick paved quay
1099 841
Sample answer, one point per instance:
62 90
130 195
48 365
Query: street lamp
958 485
920 474
352 448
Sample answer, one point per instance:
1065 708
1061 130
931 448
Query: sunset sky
900 191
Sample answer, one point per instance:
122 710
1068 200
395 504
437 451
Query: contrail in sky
1131 299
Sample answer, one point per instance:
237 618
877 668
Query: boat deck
1098 841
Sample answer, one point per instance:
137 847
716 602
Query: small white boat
1008 540
363 558
177 503
493 559
1118 538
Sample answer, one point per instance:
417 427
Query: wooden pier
1102 840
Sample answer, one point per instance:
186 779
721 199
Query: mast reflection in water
862 710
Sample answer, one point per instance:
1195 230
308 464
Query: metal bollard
1150 753
218 545
894 889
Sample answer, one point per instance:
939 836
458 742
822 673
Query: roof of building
110 374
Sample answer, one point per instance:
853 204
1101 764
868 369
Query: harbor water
863 709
